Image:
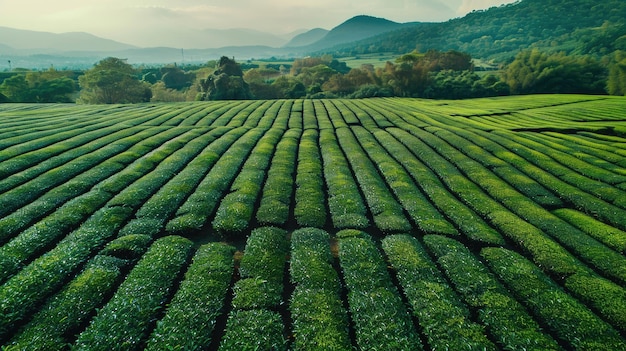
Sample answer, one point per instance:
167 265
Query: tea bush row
320 322
380 317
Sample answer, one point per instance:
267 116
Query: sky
148 23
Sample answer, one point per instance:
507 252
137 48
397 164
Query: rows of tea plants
379 224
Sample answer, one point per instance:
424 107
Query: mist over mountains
497 34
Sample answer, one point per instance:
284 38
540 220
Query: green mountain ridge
499 33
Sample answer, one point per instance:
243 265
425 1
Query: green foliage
387 212
616 84
565 316
254 330
610 236
535 72
112 81
124 322
310 208
236 209
443 317
582 27
320 320
192 315
277 191
71 307
45 87
129 247
380 317
311 261
503 316
26 290
226 83
265 254
344 200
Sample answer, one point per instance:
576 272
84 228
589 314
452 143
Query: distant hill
499 33
354 29
307 38
26 41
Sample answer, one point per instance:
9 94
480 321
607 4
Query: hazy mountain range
33 46
498 34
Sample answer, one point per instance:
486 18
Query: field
379 224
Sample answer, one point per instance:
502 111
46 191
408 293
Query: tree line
432 74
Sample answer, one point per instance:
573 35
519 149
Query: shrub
193 312
380 317
310 208
444 318
565 316
125 321
277 191
320 321
254 330
71 307
344 199
504 317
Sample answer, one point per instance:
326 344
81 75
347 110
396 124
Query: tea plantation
378 224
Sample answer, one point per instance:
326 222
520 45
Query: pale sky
159 22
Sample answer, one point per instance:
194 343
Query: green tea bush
274 208
193 312
204 150
254 330
320 321
574 324
25 291
321 114
444 318
387 212
522 159
504 317
310 208
128 247
125 321
608 235
345 202
194 213
237 207
67 310
311 260
468 221
380 318
265 254
421 211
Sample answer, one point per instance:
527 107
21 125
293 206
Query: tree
616 84
16 89
176 78
533 71
226 83
51 86
112 81
161 93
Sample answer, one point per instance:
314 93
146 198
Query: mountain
499 33
26 41
354 29
307 38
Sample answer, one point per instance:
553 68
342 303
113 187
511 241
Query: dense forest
582 27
